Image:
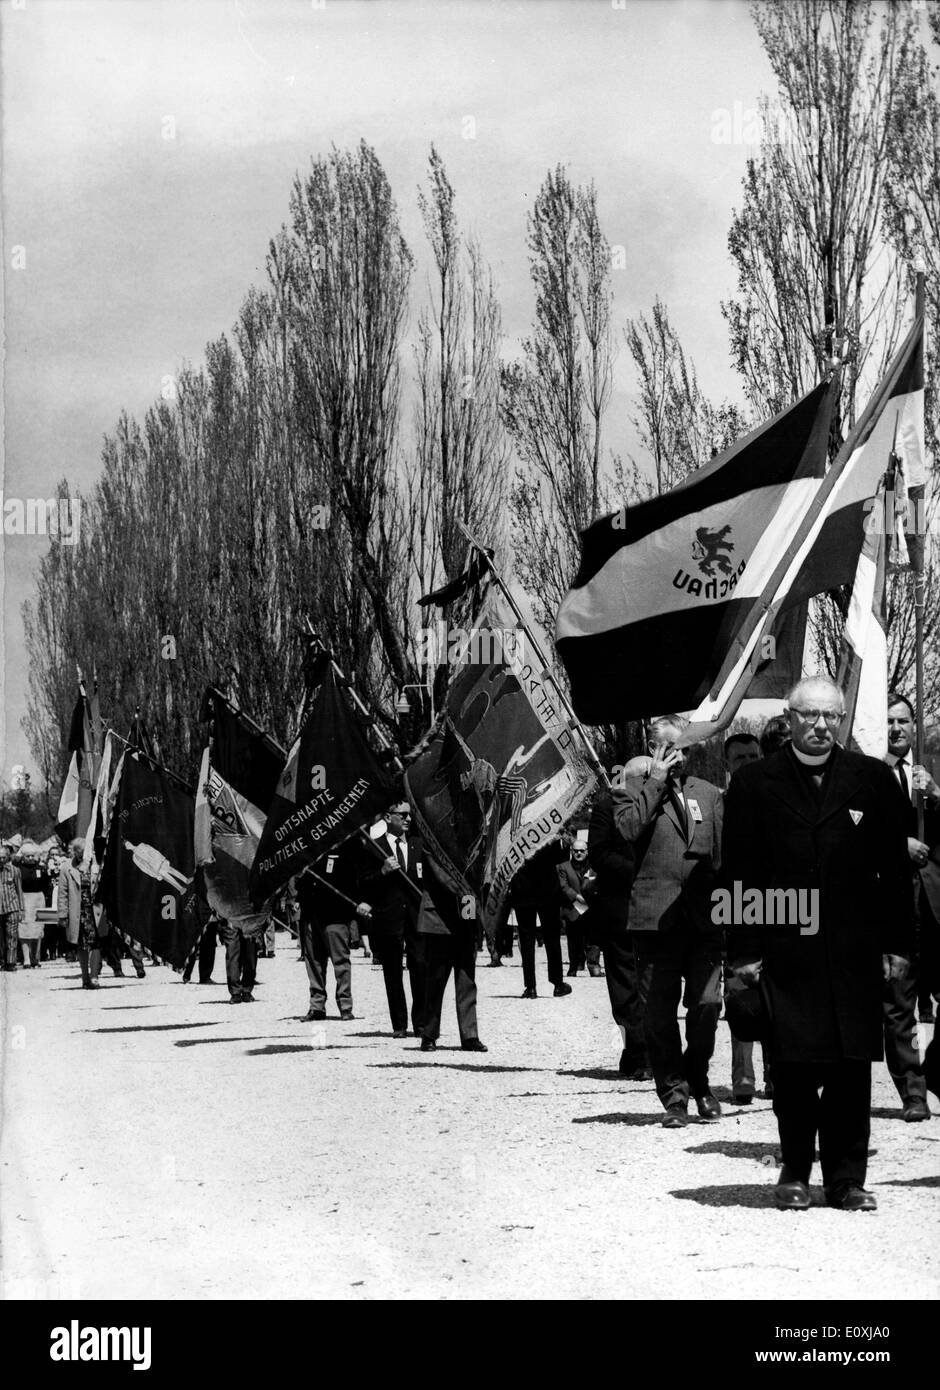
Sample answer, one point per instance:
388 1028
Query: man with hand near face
902 1052
673 823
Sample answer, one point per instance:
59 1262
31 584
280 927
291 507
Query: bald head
816 708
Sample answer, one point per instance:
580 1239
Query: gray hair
667 721
819 681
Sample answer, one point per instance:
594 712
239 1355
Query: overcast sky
149 148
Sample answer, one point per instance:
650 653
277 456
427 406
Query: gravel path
158 1142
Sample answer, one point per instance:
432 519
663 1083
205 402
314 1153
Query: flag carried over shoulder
504 770
238 777
664 586
863 669
147 878
332 785
84 744
824 550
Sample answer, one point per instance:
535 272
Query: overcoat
614 862
848 846
70 902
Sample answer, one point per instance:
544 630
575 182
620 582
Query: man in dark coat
447 928
576 881
534 892
820 832
390 883
902 1050
613 861
673 823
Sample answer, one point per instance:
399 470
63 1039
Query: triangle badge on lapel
856 815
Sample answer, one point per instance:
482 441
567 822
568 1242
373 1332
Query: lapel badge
856 816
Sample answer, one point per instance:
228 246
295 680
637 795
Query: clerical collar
811 759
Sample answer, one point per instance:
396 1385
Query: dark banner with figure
149 867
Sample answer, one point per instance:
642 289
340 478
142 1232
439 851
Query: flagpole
370 718
573 719
153 762
920 598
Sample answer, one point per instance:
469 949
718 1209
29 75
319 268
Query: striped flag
824 552
664 586
78 791
909 463
863 670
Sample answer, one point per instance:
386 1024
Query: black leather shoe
915 1109
790 1194
474 1045
571 973
561 990
676 1117
850 1197
248 998
400 1033
494 961
742 1100
235 999
428 1045
529 994
708 1107
314 1016
347 1018
141 972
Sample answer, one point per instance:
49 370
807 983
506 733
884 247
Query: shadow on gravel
736 1148
932 1181
132 1006
376 1035
456 1066
602 1074
880 1113
201 1042
740 1195
295 1047
618 1117
148 1028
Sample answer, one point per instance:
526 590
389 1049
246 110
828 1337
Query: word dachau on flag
504 772
664 585
332 786
238 777
147 879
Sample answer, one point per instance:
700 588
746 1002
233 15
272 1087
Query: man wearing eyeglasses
392 892
828 827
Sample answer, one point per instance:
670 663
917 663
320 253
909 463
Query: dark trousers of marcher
831 1100
321 943
205 956
53 942
112 948
550 919
498 935
664 960
29 951
442 955
626 1003
241 956
392 970
902 1046
90 963
581 951
743 1077
11 939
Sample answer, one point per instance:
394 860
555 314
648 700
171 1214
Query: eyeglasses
812 716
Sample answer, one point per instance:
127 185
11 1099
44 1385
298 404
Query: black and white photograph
471 602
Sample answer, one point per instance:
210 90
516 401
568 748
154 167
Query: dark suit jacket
930 874
318 902
614 862
825 990
571 883
675 872
394 898
441 911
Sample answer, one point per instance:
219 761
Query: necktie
678 801
902 778
400 855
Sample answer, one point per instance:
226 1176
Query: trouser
241 956
743 1078
29 951
498 935
112 948
322 942
391 961
833 1100
902 1040
626 1003
270 936
580 950
442 955
664 959
90 963
205 955
11 939
550 918
53 942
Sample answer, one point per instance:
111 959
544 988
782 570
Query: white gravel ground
158 1142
